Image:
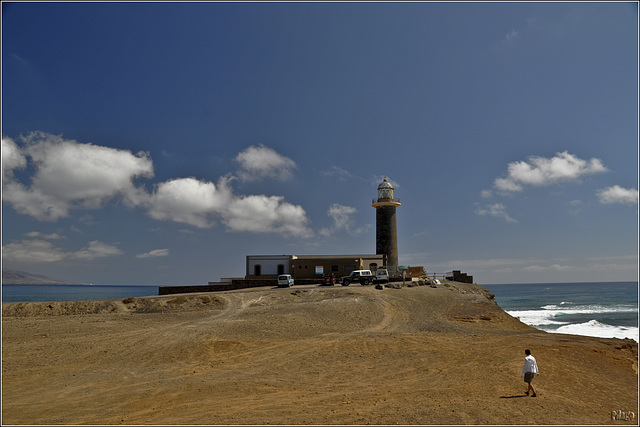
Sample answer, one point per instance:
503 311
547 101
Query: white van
382 275
285 280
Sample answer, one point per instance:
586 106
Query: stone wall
235 284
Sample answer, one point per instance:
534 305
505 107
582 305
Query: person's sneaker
526 393
533 395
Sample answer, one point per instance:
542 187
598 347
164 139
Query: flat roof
339 256
320 256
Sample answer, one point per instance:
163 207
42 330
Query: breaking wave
593 328
565 318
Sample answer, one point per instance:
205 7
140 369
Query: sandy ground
304 355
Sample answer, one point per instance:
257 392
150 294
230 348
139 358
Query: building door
280 269
257 270
373 266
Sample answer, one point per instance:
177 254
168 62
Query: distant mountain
16 277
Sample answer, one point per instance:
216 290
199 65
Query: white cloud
37 234
523 30
548 268
338 172
154 253
575 207
12 158
32 251
497 210
511 35
96 249
541 171
43 251
263 214
343 175
617 194
69 175
533 270
341 215
571 265
199 203
505 184
523 264
188 201
432 263
258 162
342 220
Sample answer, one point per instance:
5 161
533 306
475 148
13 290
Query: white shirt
530 365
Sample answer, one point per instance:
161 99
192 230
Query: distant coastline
17 277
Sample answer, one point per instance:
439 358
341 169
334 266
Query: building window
257 270
280 269
349 268
334 268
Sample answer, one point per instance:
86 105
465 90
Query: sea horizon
561 283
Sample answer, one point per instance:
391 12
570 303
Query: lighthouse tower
386 229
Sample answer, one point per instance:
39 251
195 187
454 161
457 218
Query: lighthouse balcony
388 201
385 200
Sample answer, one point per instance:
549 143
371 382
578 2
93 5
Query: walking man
528 370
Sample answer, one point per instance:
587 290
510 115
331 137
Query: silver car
285 280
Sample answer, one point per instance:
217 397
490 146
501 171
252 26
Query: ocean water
43 293
598 309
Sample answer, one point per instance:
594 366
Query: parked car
382 275
365 277
285 280
328 279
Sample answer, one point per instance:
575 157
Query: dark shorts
528 376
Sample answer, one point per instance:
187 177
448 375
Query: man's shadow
513 397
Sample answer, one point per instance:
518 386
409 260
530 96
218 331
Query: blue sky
161 143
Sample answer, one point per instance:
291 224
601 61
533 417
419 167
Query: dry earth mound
127 305
303 355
